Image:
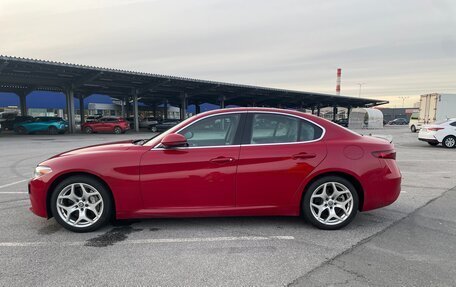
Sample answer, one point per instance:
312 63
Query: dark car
163 126
8 125
398 121
342 122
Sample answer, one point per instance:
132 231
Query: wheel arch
351 178
64 176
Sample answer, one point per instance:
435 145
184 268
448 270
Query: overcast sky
396 48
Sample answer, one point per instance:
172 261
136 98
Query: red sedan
106 124
230 162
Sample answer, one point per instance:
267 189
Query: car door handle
303 155
222 160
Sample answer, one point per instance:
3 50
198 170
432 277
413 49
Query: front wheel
330 203
21 130
88 130
413 129
449 142
117 130
81 204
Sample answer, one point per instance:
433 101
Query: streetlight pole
403 100
359 92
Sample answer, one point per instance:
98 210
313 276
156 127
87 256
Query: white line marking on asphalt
13 192
403 191
150 241
13 183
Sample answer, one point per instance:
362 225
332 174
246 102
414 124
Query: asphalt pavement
410 242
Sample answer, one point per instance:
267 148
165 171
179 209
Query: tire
449 142
80 207
117 130
433 144
21 130
88 130
52 130
153 129
328 212
413 129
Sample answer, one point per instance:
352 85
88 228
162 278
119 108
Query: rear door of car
278 152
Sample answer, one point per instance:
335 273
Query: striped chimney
339 74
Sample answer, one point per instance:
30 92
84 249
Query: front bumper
37 193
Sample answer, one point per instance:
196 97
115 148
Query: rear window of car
276 128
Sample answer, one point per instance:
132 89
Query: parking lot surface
388 246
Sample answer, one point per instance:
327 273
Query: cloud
397 48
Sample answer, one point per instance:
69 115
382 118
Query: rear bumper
387 188
434 140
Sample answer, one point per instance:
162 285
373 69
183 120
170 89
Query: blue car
51 125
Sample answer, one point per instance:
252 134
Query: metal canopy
23 75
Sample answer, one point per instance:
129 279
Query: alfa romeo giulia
229 162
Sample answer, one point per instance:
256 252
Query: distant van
414 125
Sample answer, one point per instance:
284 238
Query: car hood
120 145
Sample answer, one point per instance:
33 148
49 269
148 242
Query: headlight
41 170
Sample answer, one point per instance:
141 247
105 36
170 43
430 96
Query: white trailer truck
433 108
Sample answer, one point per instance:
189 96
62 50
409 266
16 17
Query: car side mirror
174 140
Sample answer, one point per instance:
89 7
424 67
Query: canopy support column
183 106
222 102
69 94
334 113
81 109
23 103
197 108
165 110
135 109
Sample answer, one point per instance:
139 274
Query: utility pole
359 92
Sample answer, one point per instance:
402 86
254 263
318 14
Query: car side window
274 128
453 124
212 131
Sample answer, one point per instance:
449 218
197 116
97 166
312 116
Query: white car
441 132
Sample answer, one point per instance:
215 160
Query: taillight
385 154
435 129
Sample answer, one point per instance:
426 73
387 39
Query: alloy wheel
331 203
449 142
80 205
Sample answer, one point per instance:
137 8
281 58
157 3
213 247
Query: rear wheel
117 130
330 202
81 204
449 142
52 130
153 129
21 130
413 129
88 130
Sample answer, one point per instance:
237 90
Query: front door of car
277 153
201 175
